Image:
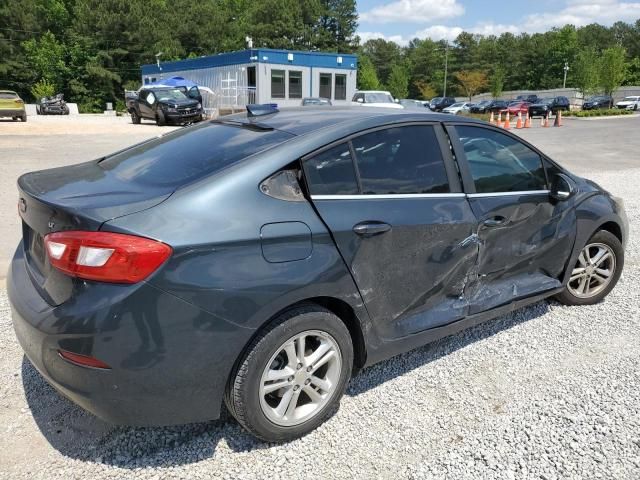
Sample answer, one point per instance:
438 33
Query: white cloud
441 32
583 12
413 11
364 36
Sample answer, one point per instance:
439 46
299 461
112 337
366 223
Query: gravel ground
548 392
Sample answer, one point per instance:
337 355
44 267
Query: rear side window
331 172
401 160
500 163
189 154
8 95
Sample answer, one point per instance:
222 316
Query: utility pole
566 69
446 65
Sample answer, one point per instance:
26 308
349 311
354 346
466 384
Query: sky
403 20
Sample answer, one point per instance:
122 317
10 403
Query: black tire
160 120
242 395
65 111
135 118
24 117
568 298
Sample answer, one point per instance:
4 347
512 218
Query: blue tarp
173 82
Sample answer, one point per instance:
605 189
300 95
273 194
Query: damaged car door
392 199
525 238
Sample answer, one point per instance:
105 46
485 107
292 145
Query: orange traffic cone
546 120
558 120
507 122
542 121
527 121
499 123
492 120
519 123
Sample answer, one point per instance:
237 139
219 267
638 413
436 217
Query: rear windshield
7 95
189 154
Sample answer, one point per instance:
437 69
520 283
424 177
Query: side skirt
402 345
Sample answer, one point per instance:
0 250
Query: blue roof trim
257 55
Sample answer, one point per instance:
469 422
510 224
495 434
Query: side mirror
562 187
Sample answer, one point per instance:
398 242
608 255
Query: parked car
629 103
375 98
245 260
456 108
517 107
54 105
598 102
440 103
316 101
488 106
165 106
11 105
409 103
546 105
531 98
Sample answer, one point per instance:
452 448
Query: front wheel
596 272
160 119
293 375
135 118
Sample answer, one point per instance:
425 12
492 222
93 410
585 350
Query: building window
341 87
295 84
277 84
325 85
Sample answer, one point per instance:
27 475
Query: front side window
295 84
401 160
325 85
277 84
341 87
331 172
150 98
500 163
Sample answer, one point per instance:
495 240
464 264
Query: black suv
489 106
598 102
551 104
528 98
164 105
440 103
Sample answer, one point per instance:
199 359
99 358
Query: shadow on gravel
80 435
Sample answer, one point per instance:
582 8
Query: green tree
497 82
584 71
367 76
43 88
612 69
384 54
398 84
472 81
46 57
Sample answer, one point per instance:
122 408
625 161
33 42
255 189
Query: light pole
446 65
566 69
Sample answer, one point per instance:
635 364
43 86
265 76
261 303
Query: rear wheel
160 119
596 272
292 376
135 118
24 117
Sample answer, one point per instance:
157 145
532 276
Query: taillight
83 360
105 256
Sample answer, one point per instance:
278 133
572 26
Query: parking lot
547 392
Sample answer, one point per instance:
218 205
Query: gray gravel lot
548 392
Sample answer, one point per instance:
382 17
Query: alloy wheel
300 378
594 270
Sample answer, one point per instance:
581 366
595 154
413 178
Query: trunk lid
78 197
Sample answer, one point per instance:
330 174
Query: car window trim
387 196
461 158
447 157
508 194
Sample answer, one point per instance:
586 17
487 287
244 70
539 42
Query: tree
43 88
497 82
612 69
584 71
398 84
367 76
427 92
46 57
472 81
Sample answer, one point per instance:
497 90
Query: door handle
494 221
369 229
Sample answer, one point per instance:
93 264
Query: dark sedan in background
261 259
549 105
599 102
488 106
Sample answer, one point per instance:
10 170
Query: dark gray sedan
262 259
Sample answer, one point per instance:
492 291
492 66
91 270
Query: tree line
599 60
91 50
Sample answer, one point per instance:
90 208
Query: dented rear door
393 203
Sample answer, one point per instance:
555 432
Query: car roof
299 120
8 91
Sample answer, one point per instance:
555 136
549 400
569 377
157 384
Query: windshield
378 98
546 101
7 95
189 154
173 94
631 99
457 105
598 99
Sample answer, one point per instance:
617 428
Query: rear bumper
169 359
12 112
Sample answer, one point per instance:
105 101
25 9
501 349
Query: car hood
188 102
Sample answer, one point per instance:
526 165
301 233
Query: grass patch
612 112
